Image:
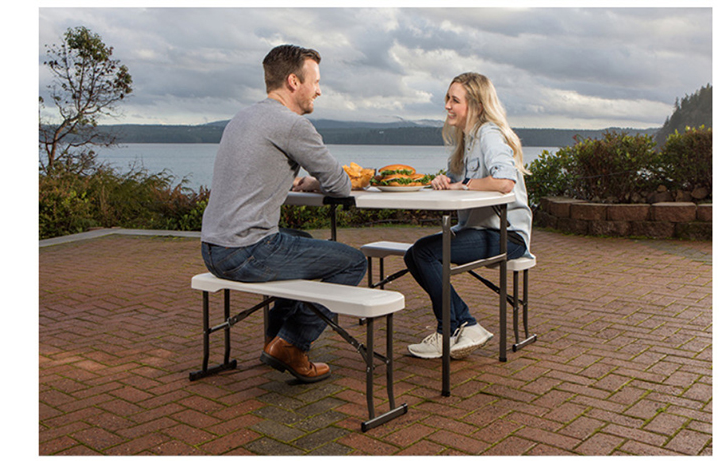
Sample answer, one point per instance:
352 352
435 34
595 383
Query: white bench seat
364 303
340 299
383 248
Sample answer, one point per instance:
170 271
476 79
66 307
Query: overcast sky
552 67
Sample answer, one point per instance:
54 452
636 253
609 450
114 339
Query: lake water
195 161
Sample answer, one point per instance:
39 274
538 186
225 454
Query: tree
691 111
86 85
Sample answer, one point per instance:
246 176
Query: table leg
446 308
333 221
503 285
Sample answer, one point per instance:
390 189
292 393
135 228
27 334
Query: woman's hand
442 182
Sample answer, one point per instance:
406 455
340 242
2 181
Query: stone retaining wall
683 220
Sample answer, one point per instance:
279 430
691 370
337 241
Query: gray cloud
553 67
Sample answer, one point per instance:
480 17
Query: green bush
309 217
622 169
612 169
65 206
686 160
72 202
550 174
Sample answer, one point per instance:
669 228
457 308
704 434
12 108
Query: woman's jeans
283 256
424 261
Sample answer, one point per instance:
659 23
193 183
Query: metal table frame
448 202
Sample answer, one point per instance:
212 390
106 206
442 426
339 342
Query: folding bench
339 299
383 249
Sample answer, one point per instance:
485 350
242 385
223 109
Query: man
260 154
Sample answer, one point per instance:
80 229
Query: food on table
399 175
359 176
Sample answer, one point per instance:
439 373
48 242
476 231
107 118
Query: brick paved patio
623 364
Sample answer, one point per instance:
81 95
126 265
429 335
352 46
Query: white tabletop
428 199
424 199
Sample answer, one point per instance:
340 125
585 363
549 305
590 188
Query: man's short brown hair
284 60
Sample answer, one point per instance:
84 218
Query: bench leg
515 306
394 411
368 354
206 331
515 302
369 357
525 314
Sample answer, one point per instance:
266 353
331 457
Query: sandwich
397 168
399 175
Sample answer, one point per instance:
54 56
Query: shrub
612 169
686 160
615 169
550 175
64 205
72 202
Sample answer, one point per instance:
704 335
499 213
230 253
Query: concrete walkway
623 364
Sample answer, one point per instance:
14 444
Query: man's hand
306 184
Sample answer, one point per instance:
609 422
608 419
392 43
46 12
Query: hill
693 110
401 132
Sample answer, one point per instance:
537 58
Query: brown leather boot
283 356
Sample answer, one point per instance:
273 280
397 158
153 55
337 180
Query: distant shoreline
400 133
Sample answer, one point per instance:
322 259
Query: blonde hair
483 106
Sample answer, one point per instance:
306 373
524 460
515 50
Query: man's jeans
285 257
424 261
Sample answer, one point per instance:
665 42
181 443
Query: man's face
308 90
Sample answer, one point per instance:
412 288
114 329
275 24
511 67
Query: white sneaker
430 347
468 340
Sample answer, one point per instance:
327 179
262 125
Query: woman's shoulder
488 127
489 133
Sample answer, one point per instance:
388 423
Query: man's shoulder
280 114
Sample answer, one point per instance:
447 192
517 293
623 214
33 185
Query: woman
487 156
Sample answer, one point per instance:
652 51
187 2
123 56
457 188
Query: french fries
359 176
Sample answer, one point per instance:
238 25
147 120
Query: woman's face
456 106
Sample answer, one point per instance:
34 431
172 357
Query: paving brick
422 448
622 366
367 444
497 431
582 427
599 444
56 445
188 434
639 435
550 438
175 448
313 441
277 430
97 438
449 424
666 423
688 442
240 438
461 443
642 449
511 446
138 445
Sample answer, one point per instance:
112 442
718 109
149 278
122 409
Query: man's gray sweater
260 154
